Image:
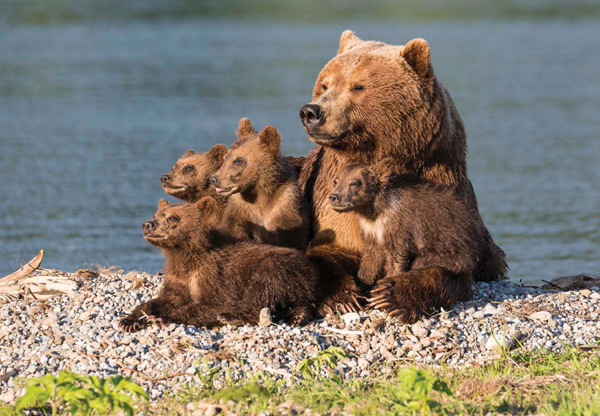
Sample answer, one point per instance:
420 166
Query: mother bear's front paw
389 296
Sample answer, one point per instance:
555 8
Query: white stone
350 318
419 330
478 314
362 363
490 309
541 316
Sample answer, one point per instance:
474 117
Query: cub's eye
324 87
188 168
173 219
357 88
356 183
238 161
335 182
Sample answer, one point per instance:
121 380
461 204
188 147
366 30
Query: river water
98 100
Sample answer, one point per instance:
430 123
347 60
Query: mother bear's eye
188 168
173 219
357 88
324 87
238 161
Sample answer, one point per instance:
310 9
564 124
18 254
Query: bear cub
189 177
265 202
424 245
212 279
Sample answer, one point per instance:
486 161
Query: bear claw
381 286
129 325
157 320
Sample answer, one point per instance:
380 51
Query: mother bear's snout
311 115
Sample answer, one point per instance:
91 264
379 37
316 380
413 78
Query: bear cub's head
248 160
180 225
189 177
357 186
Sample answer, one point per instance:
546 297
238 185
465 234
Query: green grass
518 383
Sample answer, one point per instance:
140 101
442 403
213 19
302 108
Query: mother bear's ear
348 41
416 53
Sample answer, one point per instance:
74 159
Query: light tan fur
265 202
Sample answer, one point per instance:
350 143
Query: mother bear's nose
311 114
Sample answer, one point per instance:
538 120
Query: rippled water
95 105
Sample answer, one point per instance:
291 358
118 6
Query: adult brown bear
373 101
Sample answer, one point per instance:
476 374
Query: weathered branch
25 270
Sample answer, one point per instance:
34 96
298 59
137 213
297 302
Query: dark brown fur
296 162
376 101
265 202
423 245
189 177
212 279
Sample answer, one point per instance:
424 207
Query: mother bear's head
383 100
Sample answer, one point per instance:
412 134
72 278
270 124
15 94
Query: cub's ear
189 153
163 203
271 139
385 169
217 153
416 53
245 128
348 41
208 207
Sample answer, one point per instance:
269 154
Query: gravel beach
80 333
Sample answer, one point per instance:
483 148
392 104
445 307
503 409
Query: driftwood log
579 281
40 287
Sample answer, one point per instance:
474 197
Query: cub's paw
300 316
387 296
158 321
230 319
347 303
131 324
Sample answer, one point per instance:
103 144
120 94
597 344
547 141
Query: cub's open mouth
227 191
174 188
155 237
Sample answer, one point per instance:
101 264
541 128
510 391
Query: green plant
414 390
79 394
206 374
311 368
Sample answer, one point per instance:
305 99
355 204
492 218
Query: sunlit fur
423 245
188 180
212 279
265 201
402 111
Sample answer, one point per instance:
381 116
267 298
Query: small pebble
541 316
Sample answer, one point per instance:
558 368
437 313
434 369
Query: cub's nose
149 226
214 180
311 115
165 178
335 198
